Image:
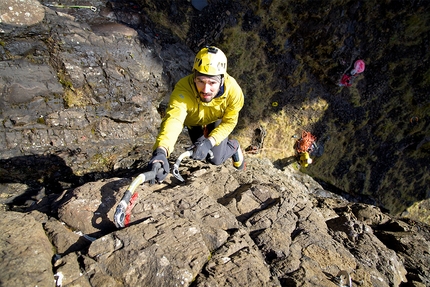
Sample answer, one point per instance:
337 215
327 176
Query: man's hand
160 155
201 149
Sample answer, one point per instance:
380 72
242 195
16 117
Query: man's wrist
212 140
163 149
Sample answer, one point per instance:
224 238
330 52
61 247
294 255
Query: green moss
163 20
77 97
64 80
71 98
299 75
417 25
426 79
355 97
103 162
41 120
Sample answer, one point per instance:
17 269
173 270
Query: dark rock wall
88 99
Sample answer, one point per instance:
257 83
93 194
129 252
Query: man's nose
206 88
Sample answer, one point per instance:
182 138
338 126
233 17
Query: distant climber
348 77
304 147
346 80
359 67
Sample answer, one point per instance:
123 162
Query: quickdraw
305 143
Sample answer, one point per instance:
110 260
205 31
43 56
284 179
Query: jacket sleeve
235 101
173 122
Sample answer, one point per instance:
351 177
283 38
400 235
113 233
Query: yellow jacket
186 109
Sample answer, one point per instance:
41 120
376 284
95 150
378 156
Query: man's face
207 88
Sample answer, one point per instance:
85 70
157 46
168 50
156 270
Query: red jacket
346 80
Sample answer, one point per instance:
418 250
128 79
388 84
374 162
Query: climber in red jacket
348 77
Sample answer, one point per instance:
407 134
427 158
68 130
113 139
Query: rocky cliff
260 227
81 96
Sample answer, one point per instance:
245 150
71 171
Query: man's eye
208 83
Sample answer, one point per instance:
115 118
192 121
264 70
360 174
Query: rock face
26 252
260 227
21 14
80 101
86 92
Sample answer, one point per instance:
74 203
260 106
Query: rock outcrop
260 227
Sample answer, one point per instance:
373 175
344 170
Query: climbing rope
304 144
94 9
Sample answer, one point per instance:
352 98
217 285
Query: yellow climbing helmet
210 61
305 159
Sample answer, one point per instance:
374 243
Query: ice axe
183 155
123 209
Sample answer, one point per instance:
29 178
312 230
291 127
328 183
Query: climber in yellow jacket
208 103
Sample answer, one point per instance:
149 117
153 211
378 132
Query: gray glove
159 155
202 149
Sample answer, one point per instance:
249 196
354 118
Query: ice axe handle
121 209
